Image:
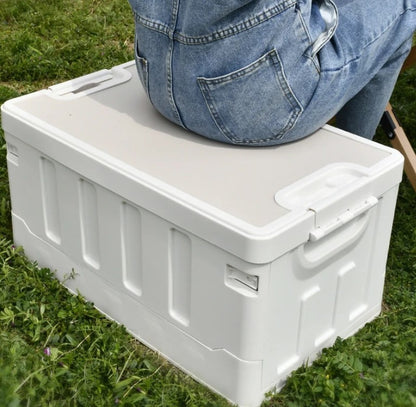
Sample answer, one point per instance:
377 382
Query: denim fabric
264 72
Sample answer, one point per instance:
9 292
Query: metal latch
248 280
12 154
342 219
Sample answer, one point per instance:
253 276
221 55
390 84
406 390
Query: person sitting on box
265 72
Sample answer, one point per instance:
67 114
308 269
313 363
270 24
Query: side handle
326 241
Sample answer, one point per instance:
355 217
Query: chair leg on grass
400 142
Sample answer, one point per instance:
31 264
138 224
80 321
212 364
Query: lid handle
320 185
91 83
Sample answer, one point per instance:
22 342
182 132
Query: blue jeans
265 72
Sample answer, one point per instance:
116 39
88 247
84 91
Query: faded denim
265 72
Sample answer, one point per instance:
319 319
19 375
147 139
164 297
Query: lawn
57 350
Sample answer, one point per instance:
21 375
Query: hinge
342 219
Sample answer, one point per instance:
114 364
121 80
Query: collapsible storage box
236 263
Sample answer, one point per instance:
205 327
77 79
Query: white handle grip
342 219
91 83
320 185
328 241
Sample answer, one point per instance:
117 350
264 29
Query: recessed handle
94 82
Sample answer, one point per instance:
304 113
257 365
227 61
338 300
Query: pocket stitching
205 85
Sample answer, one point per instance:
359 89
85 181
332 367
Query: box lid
254 202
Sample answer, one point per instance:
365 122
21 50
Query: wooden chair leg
400 142
410 60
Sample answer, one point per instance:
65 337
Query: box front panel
208 293
327 289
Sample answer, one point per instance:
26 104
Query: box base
154 331
147 326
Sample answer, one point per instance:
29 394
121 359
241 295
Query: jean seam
169 63
154 25
306 55
220 34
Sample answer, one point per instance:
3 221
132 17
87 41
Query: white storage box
236 263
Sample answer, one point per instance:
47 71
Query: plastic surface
92 83
237 264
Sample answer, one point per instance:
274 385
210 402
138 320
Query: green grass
57 350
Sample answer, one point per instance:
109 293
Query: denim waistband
170 18
235 23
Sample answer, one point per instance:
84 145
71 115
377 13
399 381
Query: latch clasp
343 219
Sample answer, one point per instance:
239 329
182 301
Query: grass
57 350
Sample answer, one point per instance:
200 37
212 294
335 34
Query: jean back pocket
253 105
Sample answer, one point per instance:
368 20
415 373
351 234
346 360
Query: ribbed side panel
89 223
313 331
180 267
131 248
50 200
350 301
